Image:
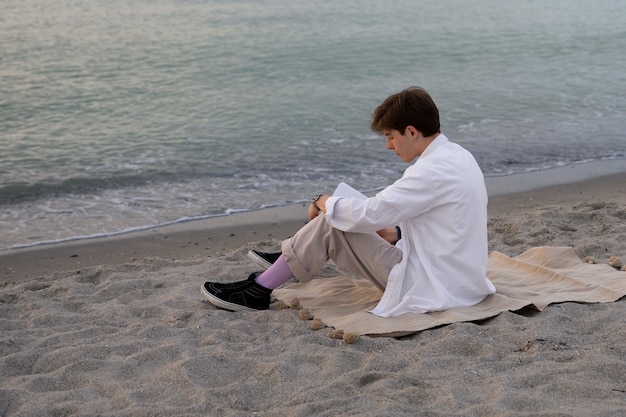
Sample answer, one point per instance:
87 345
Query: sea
124 115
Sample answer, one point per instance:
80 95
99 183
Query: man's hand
390 234
317 207
313 211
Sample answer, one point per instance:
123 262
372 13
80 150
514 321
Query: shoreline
216 235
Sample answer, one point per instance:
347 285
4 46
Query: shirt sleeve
408 197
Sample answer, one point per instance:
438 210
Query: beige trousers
364 254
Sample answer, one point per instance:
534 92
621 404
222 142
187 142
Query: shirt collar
439 140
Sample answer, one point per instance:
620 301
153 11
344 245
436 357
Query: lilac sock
276 275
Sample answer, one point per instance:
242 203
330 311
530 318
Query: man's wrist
314 200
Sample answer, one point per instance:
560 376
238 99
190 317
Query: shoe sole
218 302
258 260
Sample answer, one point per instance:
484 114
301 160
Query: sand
117 327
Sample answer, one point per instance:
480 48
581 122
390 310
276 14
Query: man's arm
390 234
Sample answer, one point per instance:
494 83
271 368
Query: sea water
121 115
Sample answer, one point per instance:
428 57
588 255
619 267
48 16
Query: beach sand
118 327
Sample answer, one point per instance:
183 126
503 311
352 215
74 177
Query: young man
422 240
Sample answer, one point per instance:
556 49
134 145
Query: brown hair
410 107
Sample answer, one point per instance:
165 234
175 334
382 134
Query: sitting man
422 240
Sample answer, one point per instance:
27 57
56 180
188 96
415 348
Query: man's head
410 107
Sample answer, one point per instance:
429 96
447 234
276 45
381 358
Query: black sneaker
264 259
219 286
248 295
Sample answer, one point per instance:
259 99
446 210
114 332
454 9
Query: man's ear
412 132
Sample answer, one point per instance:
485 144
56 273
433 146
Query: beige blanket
537 277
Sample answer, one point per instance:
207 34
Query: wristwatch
314 200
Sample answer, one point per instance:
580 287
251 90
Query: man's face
406 145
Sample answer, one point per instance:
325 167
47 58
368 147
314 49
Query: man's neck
426 141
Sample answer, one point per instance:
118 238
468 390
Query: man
422 240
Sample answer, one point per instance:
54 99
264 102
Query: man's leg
304 256
367 255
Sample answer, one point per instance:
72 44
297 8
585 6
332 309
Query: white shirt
440 204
